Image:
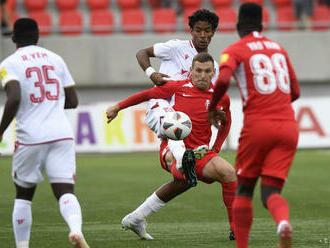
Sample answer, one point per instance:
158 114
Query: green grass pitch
110 186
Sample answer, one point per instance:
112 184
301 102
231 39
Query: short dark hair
202 57
204 15
250 13
25 31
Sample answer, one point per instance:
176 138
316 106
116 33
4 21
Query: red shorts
200 163
266 148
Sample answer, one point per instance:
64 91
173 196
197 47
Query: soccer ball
176 125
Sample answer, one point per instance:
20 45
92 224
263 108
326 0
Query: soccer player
39 86
268 140
176 57
191 96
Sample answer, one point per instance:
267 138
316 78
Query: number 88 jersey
264 75
42 76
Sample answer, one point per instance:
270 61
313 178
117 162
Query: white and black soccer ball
176 125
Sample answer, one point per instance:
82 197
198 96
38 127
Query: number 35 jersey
42 76
264 75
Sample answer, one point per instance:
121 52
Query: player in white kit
39 86
176 60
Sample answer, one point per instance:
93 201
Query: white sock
71 212
279 227
177 148
22 221
151 205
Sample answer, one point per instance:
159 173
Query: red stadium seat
67 4
44 20
98 4
33 5
260 2
70 22
129 4
321 18
190 3
14 16
186 13
228 19
221 3
101 21
155 3
133 21
164 20
282 3
285 18
265 18
11 4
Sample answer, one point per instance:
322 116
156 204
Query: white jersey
177 56
42 76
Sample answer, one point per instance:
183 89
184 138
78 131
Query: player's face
202 74
202 34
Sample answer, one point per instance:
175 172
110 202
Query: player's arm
224 128
143 57
13 92
71 99
294 85
161 92
222 85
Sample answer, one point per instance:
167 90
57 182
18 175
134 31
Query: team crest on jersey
3 73
207 103
186 56
224 58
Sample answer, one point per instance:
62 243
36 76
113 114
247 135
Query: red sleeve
224 129
165 91
294 85
221 86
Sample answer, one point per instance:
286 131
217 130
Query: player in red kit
191 96
268 140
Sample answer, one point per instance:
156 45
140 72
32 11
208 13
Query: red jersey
192 101
264 75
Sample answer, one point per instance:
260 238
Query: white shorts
56 158
156 110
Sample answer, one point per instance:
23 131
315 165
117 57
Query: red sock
278 207
228 195
243 217
177 174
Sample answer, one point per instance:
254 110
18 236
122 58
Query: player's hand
216 117
112 112
159 78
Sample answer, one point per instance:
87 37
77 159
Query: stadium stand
98 4
285 18
227 19
70 22
191 3
282 3
265 18
129 4
44 21
101 21
253 1
139 16
66 4
321 18
221 3
132 21
33 5
164 20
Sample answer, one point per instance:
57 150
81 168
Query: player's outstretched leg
284 232
188 166
137 225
